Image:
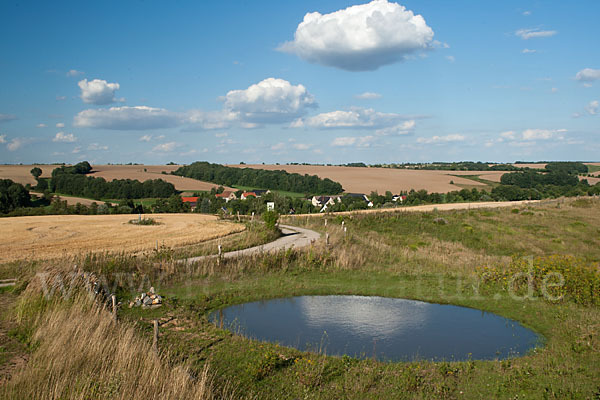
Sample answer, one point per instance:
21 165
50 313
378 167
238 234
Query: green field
593 168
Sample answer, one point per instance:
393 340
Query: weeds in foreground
81 353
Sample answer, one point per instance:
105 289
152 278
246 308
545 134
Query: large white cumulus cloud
271 100
360 38
98 91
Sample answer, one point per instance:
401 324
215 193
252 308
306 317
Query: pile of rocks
148 299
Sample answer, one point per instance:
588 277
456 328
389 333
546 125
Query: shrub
271 218
580 279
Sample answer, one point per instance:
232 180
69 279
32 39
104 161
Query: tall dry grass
80 353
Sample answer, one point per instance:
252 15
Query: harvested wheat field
21 173
146 172
366 180
46 237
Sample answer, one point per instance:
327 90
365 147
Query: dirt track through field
293 237
47 237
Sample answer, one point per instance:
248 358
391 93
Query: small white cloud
368 96
61 98
145 138
74 72
345 141
526 13
362 37
64 137
357 118
527 34
278 146
97 147
442 139
451 58
7 117
302 146
2 139
165 147
592 108
508 135
528 51
404 128
127 118
554 90
541 134
76 150
221 134
41 125
98 91
588 75
60 125
16 144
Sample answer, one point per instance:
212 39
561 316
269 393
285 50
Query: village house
320 201
192 201
227 195
245 195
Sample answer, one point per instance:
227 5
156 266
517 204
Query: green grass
554 367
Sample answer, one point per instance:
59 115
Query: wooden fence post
220 255
114 307
325 222
326 238
155 338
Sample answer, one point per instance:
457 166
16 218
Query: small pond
386 328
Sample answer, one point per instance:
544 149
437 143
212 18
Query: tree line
73 181
261 178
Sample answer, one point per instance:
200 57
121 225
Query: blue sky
299 81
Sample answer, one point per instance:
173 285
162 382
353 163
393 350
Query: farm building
245 195
320 201
228 195
192 201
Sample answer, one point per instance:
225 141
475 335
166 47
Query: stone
147 300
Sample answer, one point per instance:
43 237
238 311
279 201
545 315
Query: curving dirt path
293 237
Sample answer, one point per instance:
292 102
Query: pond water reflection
387 328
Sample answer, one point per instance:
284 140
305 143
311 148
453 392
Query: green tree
36 172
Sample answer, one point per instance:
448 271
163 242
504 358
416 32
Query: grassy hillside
456 257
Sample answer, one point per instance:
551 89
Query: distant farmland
365 180
21 174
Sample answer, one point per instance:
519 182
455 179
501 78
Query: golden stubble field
47 237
